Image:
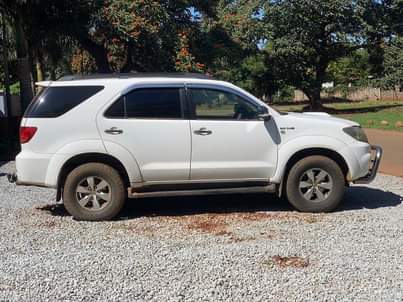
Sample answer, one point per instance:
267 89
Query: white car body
158 151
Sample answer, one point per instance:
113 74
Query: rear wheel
94 192
315 184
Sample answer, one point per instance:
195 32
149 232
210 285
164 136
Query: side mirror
263 114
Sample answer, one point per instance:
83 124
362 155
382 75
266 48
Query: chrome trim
374 168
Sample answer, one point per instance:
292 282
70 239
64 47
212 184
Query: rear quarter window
55 101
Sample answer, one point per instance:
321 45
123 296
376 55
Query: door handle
114 131
203 131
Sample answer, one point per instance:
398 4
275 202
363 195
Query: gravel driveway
238 248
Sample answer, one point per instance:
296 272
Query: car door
149 123
229 142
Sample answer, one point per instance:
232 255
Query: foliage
393 65
82 62
136 33
15 89
242 20
185 61
306 36
266 47
351 70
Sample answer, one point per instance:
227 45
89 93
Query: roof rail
136 75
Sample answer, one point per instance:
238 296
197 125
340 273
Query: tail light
26 134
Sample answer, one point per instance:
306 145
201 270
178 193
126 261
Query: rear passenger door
149 122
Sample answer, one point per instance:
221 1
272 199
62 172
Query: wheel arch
297 156
92 157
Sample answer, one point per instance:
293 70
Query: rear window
55 101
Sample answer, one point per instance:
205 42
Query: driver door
229 142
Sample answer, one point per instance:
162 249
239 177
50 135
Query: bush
15 88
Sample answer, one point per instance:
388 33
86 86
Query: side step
245 190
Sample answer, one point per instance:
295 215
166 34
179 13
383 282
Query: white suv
101 139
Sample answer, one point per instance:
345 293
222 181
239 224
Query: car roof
175 75
128 79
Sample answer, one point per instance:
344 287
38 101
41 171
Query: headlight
356 132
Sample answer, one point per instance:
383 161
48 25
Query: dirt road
392 144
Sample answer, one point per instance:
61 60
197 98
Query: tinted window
117 109
55 101
154 103
221 105
162 103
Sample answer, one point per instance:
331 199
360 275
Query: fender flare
292 147
83 147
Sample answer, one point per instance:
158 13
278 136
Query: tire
85 201
315 184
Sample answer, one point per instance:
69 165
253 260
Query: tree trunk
39 72
38 67
23 65
313 91
269 98
314 99
7 108
53 66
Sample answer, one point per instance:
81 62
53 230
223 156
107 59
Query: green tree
395 15
229 43
305 36
119 35
393 64
350 70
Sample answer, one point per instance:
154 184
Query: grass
374 119
369 114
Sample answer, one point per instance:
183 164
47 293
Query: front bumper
373 169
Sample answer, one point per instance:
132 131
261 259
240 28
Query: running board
245 190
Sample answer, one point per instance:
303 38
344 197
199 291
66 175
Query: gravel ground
238 248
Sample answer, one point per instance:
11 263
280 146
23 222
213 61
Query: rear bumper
31 169
373 169
13 178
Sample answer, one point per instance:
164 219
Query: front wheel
94 192
315 184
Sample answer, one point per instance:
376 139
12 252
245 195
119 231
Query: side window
155 103
55 101
214 104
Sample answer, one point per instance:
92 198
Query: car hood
322 117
